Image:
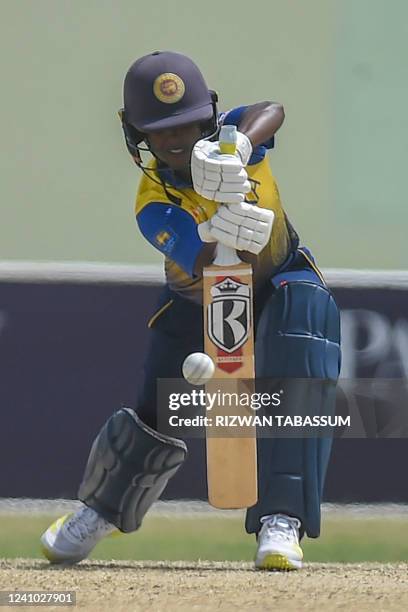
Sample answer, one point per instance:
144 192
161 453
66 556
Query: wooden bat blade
228 340
231 472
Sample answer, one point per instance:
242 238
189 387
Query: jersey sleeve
173 231
233 117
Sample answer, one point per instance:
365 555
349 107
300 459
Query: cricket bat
229 341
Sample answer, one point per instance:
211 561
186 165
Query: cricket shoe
71 538
278 543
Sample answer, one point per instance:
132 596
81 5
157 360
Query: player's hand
219 177
243 227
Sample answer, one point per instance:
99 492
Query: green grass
219 539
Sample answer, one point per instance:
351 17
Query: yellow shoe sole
278 563
55 560
47 554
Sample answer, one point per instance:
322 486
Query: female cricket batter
189 199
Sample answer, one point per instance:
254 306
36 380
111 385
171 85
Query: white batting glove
204 231
219 177
243 227
244 147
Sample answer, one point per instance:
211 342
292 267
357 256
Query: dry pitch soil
167 586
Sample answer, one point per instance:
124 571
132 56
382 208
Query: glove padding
219 177
243 227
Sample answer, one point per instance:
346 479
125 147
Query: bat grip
227 256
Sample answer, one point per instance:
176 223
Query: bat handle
226 256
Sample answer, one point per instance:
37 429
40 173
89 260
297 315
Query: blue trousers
297 337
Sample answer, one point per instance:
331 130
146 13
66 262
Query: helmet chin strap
150 172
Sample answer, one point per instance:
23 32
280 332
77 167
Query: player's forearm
261 121
205 258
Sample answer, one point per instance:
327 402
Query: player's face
173 146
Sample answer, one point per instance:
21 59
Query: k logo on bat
229 314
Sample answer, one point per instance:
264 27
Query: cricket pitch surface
207 585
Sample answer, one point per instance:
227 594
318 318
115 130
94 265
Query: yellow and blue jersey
168 219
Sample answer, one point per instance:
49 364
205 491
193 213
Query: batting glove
243 227
219 177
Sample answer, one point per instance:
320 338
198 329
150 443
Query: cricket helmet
164 90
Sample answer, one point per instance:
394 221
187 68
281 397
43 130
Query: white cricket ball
198 368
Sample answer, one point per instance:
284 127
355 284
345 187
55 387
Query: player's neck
184 175
174 176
